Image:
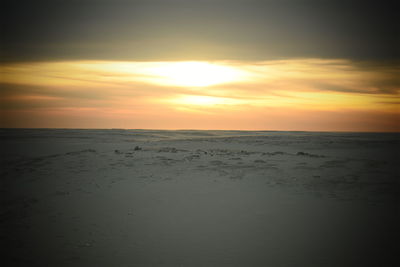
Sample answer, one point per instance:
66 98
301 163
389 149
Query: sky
205 64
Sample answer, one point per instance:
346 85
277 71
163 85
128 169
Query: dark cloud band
198 30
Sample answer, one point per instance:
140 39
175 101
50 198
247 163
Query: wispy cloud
269 94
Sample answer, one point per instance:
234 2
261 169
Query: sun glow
204 100
144 92
193 73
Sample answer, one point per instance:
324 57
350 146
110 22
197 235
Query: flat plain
199 198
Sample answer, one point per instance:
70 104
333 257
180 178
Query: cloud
156 30
296 90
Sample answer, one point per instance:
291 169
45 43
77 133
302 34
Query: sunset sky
221 64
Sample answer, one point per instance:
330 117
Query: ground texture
199 198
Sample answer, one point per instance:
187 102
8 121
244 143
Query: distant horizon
216 130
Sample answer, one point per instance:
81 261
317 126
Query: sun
196 100
193 74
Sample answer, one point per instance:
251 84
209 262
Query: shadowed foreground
199 198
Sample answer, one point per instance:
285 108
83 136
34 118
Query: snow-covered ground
198 198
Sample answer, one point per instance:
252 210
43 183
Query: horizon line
182 129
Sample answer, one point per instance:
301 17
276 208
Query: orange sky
293 94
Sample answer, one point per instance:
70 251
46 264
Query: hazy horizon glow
292 94
192 74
